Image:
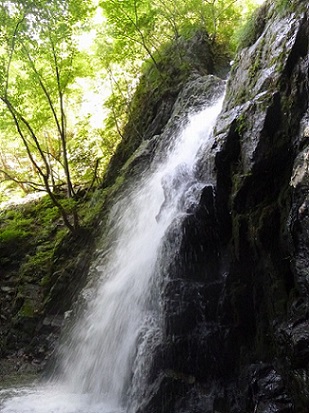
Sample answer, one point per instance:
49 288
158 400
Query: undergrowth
30 232
248 34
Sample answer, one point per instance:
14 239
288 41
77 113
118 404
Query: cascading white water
98 360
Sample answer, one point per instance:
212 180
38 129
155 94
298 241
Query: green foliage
136 32
131 25
40 62
27 309
30 233
51 214
25 226
38 264
12 236
90 209
252 29
14 229
47 138
282 5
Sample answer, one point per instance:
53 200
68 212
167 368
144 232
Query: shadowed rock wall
241 343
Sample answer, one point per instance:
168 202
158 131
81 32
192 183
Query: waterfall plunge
97 362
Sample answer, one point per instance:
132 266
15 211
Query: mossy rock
28 309
12 241
158 90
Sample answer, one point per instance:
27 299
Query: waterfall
105 359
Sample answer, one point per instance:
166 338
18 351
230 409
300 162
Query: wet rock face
241 275
261 158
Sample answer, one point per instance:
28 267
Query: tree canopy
48 137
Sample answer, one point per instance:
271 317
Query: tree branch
12 50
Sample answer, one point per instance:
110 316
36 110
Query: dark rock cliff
241 342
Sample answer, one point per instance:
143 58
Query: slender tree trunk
43 174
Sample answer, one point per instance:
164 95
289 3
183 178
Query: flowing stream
103 362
